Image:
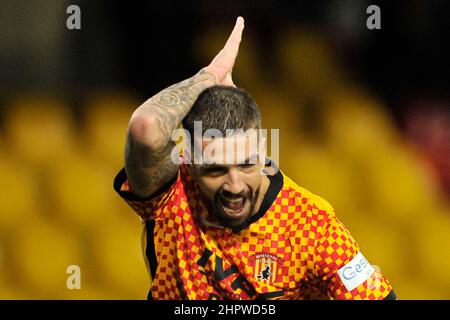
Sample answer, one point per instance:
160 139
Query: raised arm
147 152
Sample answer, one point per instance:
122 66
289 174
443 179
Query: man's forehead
236 149
241 159
238 137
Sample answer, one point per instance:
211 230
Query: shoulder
156 206
306 197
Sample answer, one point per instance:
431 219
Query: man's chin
234 224
233 220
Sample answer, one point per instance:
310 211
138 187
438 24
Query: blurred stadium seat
383 244
39 129
60 201
430 235
46 250
81 192
21 194
336 140
356 123
306 61
119 259
106 117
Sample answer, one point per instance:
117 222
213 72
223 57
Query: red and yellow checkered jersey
293 248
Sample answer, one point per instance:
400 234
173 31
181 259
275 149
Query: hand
222 64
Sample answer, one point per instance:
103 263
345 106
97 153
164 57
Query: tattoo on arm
171 105
148 169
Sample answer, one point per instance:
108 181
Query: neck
262 192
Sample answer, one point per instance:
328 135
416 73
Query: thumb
228 81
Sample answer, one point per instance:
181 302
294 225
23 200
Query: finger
236 35
228 80
223 62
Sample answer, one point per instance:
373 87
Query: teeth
233 205
233 200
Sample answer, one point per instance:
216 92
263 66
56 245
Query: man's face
229 179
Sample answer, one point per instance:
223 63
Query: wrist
211 76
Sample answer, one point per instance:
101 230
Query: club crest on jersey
265 267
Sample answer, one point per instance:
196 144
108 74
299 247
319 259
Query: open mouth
233 206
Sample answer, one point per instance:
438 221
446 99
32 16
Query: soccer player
231 228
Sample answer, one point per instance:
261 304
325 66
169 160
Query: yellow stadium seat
382 243
314 169
39 129
105 125
389 175
356 122
400 186
307 62
20 194
431 237
87 292
82 192
3 263
10 292
42 253
415 288
278 112
119 259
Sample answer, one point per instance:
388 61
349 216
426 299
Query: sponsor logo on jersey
355 272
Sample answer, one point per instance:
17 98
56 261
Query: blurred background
363 116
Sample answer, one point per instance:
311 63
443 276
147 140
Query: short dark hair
223 107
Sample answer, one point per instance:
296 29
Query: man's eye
247 165
214 171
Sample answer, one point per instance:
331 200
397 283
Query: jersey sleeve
153 207
342 268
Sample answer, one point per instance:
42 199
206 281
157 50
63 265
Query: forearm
154 121
148 149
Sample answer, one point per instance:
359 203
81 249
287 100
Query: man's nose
233 183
